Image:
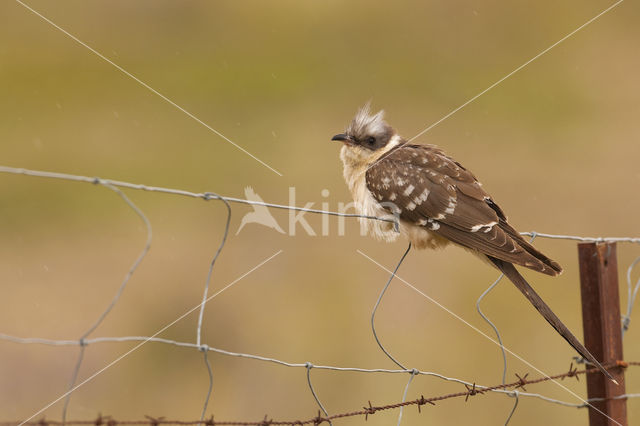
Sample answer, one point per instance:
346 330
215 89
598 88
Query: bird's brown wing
432 190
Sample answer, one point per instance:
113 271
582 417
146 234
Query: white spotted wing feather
447 203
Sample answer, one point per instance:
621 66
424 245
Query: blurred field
556 145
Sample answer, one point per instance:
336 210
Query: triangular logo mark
259 215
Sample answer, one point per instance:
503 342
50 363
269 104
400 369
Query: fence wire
471 390
514 389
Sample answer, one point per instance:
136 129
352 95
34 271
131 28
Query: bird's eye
371 140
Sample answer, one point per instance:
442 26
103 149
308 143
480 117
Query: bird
431 199
260 213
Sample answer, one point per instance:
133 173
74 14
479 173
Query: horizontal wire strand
112 184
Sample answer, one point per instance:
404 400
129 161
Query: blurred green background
556 145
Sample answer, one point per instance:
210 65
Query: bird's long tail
512 273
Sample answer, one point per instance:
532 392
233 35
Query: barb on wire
103 315
375 308
573 372
472 389
369 409
477 330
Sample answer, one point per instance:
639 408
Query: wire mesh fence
514 389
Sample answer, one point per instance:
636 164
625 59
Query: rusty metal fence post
602 329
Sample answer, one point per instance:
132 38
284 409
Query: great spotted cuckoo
436 201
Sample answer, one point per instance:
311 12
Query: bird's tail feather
512 273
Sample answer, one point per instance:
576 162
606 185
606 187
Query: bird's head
367 133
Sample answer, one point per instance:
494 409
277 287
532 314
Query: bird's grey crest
366 125
436 201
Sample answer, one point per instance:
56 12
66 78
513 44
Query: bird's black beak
341 137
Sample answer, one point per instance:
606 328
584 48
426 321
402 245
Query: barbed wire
499 337
472 389
477 330
110 184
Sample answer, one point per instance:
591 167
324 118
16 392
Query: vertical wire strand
495 329
516 394
375 308
209 196
133 267
72 382
309 366
205 350
631 296
414 372
116 297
